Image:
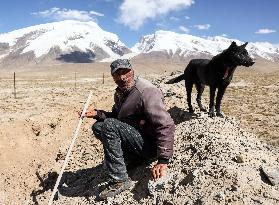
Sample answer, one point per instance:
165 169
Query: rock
166 202
54 123
271 174
220 196
234 188
169 93
239 159
60 156
159 185
188 179
36 129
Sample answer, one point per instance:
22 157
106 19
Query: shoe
114 188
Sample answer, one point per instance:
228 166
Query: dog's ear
233 45
244 45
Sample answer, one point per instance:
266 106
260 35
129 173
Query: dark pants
122 143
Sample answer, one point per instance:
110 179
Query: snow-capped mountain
172 44
68 41
85 42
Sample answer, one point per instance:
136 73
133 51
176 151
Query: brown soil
36 127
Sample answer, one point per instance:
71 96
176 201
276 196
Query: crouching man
138 128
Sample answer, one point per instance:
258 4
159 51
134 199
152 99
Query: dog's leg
219 97
211 103
189 86
200 89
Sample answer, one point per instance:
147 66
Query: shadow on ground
82 183
86 183
179 115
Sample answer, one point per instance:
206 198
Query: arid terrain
36 129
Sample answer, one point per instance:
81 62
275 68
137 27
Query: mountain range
86 42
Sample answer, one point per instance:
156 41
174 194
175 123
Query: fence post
14 86
103 78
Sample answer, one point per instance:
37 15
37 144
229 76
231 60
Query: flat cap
120 63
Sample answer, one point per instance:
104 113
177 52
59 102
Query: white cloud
187 17
224 35
172 18
184 29
66 14
134 13
265 31
203 26
162 25
96 13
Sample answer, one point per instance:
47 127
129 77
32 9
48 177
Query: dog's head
238 55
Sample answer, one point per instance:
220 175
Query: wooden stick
70 149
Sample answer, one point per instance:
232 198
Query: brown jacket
143 108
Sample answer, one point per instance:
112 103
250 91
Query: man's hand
158 171
90 113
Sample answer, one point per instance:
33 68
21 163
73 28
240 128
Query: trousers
122 144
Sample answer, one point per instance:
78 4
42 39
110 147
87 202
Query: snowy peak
85 42
185 45
55 40
171 41
145 44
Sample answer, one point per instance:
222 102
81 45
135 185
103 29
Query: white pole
70 149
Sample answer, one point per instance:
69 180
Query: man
138 128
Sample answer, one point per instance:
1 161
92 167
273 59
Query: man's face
124 78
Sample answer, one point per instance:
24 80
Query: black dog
217 73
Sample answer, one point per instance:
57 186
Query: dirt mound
215 161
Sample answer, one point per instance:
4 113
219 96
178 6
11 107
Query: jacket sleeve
102 115
161 121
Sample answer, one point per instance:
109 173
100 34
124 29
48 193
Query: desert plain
38 120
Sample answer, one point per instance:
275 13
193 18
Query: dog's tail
176 80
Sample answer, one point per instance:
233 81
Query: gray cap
120 63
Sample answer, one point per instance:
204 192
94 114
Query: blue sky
246 20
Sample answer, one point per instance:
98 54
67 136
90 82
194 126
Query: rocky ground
216 160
